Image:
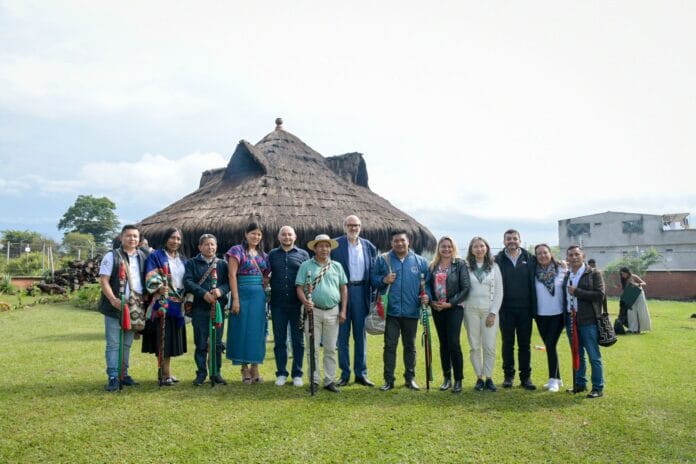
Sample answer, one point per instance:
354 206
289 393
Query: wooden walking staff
310 320
425 319
162 313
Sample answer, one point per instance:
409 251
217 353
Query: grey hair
205 237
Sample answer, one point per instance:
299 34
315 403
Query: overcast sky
472 116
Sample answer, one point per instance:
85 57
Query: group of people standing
482 292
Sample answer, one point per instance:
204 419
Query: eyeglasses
352 225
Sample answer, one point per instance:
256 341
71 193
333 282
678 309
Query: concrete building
609 236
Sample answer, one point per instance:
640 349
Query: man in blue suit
356 255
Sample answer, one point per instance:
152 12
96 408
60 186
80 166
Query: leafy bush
88 297
6 286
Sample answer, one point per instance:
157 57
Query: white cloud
152 181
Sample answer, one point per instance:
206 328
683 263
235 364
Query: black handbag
607 336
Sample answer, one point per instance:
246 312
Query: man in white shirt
356 255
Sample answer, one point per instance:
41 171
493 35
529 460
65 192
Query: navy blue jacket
195 269
340 255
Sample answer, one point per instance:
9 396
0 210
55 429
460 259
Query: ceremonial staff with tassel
206 279
116 288
309 317
426 337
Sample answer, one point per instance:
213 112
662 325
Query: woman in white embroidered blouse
481 310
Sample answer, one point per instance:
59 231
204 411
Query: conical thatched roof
280 181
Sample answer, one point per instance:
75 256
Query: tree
21 236
638 263
74 241
94 216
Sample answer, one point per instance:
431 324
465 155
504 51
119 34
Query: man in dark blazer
356 255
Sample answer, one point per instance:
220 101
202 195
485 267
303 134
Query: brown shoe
255 377
246 374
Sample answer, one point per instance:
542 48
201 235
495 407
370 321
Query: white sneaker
297 381
280 381
553 385
559 382
547 385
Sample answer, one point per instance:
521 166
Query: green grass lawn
53 407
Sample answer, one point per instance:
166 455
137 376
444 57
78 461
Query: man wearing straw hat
328 286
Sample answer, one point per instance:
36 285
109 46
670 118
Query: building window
633 227
597 224
575 230
669 250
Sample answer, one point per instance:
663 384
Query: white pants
326 333
481 340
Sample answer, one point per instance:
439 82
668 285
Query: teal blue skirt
246 331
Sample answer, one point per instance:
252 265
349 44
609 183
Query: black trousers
550 328
448 324
406 327
516 322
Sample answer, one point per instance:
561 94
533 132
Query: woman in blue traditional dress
164 280
246 336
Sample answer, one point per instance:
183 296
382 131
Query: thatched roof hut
280 181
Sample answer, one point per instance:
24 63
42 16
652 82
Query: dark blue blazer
340 254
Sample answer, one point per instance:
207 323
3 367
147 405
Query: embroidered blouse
246 262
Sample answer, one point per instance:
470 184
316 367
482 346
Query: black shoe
457 388
446 385
343 382
387 386
490 386
527 384
112 386
595 394
412 385
129 382
479 385
577 389
364 381
332 388
219 380
507 383
200 380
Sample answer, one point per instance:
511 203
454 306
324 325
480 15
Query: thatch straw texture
282 181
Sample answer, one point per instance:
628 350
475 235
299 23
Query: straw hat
322 238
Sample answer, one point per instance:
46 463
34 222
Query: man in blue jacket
356 255
403 271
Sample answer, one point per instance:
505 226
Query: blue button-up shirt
284 267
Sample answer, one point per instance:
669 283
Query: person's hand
389 278
309 306
235 307
342 317
490 320
209 297
571 290
115 302
436 306
424 299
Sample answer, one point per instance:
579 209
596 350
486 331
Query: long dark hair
245 243
167 235
624 280
487 260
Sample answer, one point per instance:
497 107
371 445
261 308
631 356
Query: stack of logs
77 274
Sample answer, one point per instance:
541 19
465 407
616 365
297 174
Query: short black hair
129 227
399 232
512 231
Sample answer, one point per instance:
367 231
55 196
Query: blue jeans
282 318
588 336
112 329
355 316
